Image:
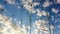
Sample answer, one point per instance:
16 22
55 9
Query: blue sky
12 11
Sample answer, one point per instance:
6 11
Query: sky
30 16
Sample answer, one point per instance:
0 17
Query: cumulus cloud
35 3
36 31
10 1
39 26
15 28
37 23
10 28
39 13
45 13
29 5
47 3
55 10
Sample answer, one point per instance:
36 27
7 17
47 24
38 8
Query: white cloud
9 29
28 27
40 28
35 3
10 1
37 23
52 26
55 10
27 5
36 31
23 26
39 13
58 26
58 1
43 21
47 3
45 13
31 8
33 11
1 7
29 1
19 22
18 7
